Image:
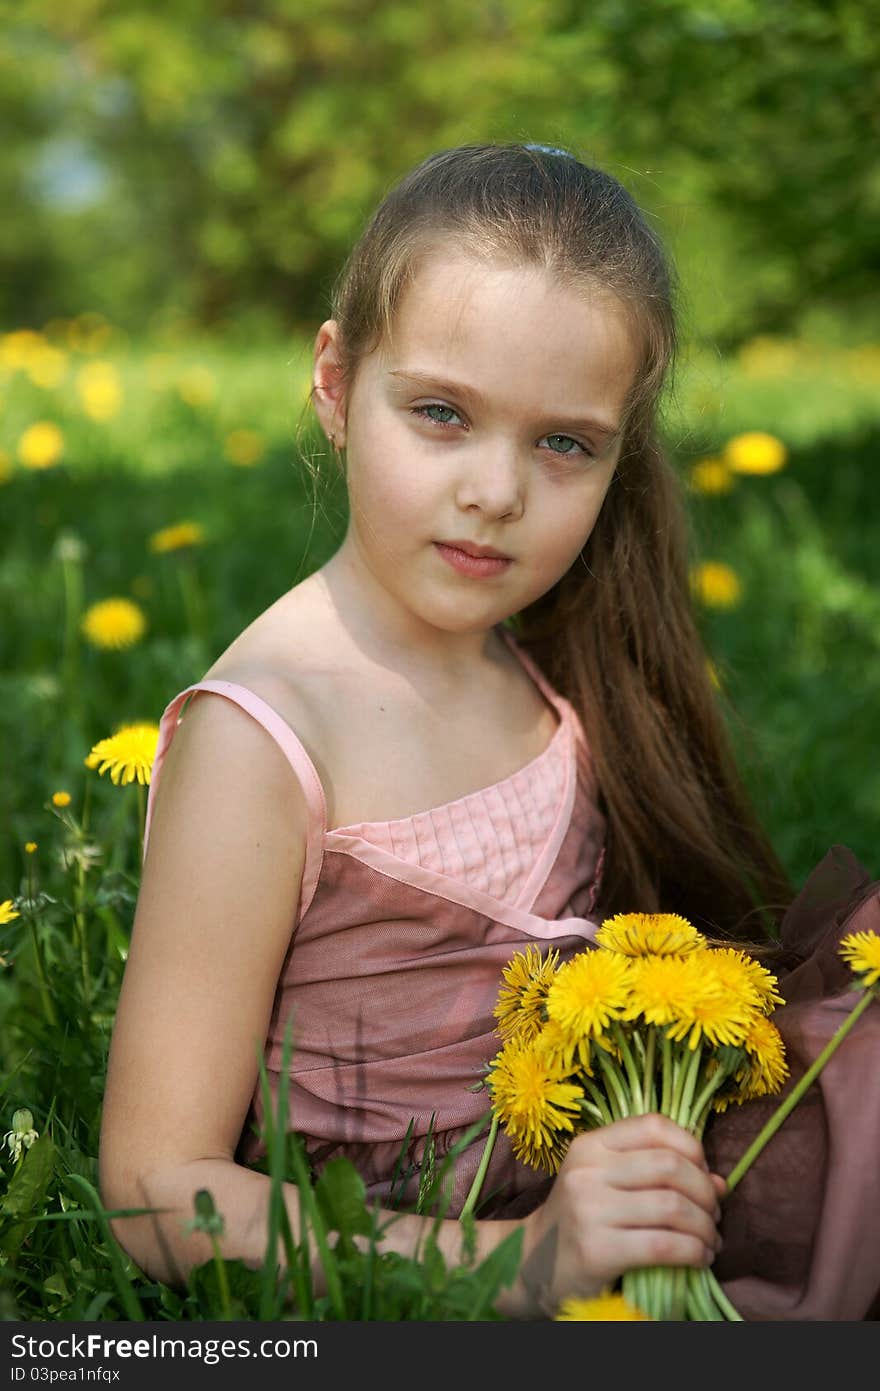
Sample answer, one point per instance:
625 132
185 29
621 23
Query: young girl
485 722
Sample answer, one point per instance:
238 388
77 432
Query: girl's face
490 420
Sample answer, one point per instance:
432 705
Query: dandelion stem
648 1093
474 1192
690 1073
80 931
220 1267
717 1293
43 982
794 1096
617 1092
637 1100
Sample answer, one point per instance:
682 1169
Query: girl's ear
328 390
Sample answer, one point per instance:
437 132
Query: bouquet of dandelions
653 1018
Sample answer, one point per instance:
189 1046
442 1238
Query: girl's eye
565 453
422 412
433 406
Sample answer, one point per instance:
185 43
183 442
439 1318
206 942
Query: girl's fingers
640 1247
646 1132
665 1170
664 1210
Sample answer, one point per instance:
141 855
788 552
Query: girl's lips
474 566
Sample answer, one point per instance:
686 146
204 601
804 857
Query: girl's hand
634 1193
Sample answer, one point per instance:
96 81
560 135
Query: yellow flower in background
605 1307
31 847
527 978
643 934
41 445
7 912
197 386
861 952
47 366
716 585
768 357
710 476
245 447
533 1100
173 538
129 753
755 452
114 623
61 799
19 348
99 389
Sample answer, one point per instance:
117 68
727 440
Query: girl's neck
387 634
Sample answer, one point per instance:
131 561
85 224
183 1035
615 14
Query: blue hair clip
549 150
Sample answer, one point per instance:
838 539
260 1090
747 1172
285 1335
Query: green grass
799 659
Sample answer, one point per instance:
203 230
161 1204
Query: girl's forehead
494 321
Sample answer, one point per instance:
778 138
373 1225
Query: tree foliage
215 158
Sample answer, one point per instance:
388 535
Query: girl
396 792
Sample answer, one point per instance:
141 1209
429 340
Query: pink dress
397 947
392 974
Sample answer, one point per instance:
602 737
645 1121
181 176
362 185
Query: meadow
155 498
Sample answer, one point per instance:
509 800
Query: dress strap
534 671
293 751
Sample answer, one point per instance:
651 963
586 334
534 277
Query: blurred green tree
213 159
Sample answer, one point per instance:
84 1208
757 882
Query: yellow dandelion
710 476
716 585
61 799
114 623
18 347
767 1069
644 934
174 538
606 1307
31 847
588 992
47 367
534 1103
560 1047
662 989
7 912
755 452
244 447
129 754
197 386
710 1010
739 971
861 952
41 445
527 978
99 390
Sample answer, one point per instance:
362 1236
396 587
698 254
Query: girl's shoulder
282 659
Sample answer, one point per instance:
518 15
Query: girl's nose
493 482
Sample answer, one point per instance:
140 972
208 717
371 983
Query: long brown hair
617 634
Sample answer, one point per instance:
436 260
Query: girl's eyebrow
425 379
